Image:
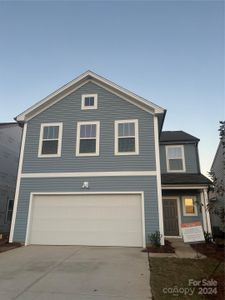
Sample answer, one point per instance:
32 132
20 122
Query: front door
170 217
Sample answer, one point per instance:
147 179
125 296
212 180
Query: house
10 136
89 171
184 188
217 201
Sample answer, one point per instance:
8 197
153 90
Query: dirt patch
210 250
6 246
167 248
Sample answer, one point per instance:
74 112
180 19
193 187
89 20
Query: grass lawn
169 273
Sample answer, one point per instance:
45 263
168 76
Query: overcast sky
170 52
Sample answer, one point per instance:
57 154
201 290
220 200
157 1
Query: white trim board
18 183
78 82
88 174
87 193
183 187
182 158
116 136
84 96
158 174
97 138
59 139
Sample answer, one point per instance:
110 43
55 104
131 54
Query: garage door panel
102 220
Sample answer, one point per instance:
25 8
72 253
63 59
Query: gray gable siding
147 184
218 167
191 159
68 111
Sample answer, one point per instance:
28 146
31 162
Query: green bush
208 237
155 239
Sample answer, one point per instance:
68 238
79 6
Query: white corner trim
97 123
158 176
95 106
203 211
89 174
195 214
208 221
141 193
43 125
20 167
116 137
182 157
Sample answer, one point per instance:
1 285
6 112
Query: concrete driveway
74 273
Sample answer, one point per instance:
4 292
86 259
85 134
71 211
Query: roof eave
83 77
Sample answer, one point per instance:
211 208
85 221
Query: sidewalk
182 250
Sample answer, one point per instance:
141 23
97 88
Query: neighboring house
184 188
89 170
218 168
10 136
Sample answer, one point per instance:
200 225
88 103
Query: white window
175 158
9 212
89 101
189 206
88 138
126 137
50 141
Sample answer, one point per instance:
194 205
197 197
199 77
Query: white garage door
100 220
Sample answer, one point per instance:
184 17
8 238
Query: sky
170 52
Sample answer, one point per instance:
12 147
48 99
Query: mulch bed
210 250
5 245
167 248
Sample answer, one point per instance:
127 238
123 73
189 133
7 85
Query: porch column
208 221
203 211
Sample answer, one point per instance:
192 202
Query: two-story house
10 136
89 171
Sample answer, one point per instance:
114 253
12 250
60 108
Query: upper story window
175 158
89 101
189 206
88 138
50 141
126 137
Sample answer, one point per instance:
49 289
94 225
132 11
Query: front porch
184 203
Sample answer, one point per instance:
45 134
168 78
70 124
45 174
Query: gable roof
177 136
77 83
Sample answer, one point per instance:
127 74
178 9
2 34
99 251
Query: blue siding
68 111
191 159
97 184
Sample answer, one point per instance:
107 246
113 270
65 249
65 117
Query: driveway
74 273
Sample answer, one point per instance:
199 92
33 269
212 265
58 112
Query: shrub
208 237
155 239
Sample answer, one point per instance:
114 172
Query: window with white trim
175 158
89 101
189 206
50 141
9 212
126 137
88 138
